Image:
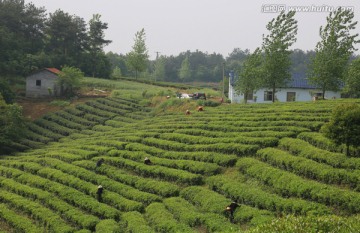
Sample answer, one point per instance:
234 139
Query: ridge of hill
269 158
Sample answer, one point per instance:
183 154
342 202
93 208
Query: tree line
31 39
330 66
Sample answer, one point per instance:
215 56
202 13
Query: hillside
269 158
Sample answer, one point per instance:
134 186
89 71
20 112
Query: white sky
174 26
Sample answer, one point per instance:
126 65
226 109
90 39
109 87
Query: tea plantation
269 158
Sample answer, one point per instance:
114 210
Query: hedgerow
243 214
135 222
188 139
44 132
156 171
64 122
191 166
69 212
51 220
304 149
257 197
106 109
54 127
162 188
108 225
308 168
288 184
75 118
18 222
82 175
319 140
183 211
95 111
163 221
66 193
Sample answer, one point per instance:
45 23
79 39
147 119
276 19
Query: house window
38 83
290 96
268 96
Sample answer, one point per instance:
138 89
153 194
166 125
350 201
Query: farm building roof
298 80
53 70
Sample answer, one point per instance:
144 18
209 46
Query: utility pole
157 54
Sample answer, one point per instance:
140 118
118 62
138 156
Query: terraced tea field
269 158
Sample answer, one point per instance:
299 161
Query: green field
269 158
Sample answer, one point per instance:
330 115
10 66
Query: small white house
43 83
298 90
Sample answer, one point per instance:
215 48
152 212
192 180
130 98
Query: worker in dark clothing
200 109
187 112
99 193
99 162
230 209
147 161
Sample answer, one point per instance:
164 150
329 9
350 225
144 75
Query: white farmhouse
298 90
43 83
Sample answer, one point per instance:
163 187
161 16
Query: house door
290 96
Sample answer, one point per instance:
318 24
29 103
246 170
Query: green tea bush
108 226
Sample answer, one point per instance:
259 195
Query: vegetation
333 51
11 124
137 58
33 40
250 75
352 79
344 126
70 80
282 34
256 155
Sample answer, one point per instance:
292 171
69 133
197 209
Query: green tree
97 43
70 80
277 63
137 59
67 39
21 30
326 69
250 74
185 72
116 73
159 70
5 91
11 124
352 79
344 126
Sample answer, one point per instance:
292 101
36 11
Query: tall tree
97 43
159 69
282 34
137 59
21 30
185 72
62 30
352 78
250 74
333 51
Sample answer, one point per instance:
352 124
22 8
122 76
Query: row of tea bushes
304 149
308 168
289 184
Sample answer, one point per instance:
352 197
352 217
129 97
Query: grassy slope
201 163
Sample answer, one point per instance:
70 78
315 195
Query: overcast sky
174 26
